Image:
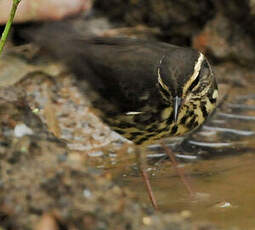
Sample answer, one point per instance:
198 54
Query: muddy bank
45 185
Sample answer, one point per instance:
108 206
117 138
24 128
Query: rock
43 9
226 40
178 20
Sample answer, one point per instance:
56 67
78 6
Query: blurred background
223 29
67 142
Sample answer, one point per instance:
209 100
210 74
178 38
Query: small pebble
96 154
86 193
185 214
223 204
146 220
21 130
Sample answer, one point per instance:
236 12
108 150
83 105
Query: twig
7 28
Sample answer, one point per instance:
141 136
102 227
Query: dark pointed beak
177 106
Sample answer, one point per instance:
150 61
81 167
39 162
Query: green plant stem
7 28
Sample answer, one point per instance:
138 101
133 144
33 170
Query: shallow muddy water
218 161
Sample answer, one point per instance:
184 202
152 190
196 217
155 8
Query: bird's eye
204 71
164 91
195 82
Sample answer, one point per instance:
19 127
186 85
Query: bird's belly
150 127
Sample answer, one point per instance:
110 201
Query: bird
144 90
153 90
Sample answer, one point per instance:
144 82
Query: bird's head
187 83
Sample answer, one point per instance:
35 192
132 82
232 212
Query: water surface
219 164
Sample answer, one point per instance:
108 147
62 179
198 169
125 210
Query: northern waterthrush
144 90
